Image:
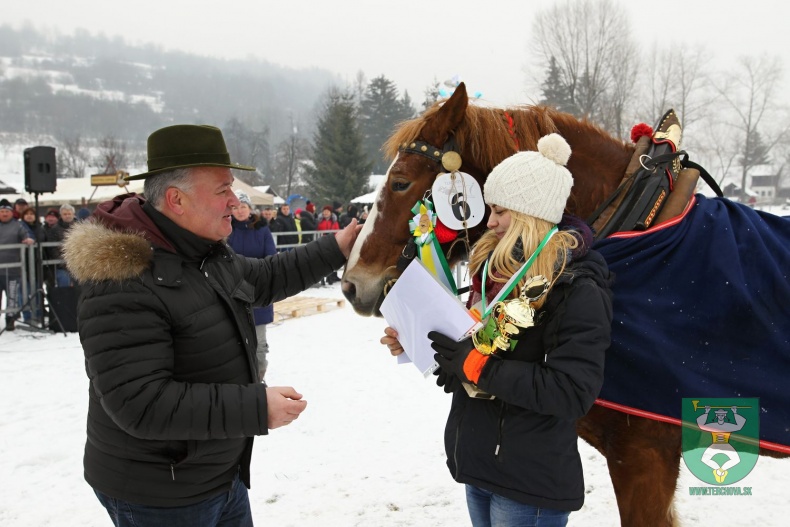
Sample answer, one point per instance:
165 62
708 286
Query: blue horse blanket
702 309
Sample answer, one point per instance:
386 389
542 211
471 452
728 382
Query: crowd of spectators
21 223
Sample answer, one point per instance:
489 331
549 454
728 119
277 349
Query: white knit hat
243 197
534 183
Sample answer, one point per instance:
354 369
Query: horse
643 454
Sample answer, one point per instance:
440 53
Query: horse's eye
400 186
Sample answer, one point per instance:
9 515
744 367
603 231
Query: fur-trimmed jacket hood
115 244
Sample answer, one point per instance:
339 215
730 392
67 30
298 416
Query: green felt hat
186 145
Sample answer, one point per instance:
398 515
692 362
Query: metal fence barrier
29 295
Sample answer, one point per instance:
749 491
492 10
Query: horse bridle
409 251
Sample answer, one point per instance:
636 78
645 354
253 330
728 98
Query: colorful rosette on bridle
422 227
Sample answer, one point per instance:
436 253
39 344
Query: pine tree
431 95
340 168
555 92
755 152
379 112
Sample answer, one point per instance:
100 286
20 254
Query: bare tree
289 159
590 40
750 93
718 150
73 157
112 155
677 78
615 101
247 146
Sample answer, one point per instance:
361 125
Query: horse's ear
441 124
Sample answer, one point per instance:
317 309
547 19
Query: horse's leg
644 463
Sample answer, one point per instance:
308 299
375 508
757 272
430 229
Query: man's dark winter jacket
165 322
282 223
522 445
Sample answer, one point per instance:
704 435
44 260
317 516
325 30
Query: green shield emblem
721 438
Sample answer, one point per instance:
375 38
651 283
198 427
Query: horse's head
372 263
483 137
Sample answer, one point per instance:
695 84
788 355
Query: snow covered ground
367 451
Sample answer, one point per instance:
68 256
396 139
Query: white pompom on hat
533 183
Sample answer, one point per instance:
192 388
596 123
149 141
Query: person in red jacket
328 223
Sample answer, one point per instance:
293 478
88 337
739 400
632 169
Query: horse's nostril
349 290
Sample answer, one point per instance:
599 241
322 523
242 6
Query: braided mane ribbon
512 130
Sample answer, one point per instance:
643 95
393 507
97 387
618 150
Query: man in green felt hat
166 326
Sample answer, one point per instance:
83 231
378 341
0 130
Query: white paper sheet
418 304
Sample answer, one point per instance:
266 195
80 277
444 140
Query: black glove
448 382
460 359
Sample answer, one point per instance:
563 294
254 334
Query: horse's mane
486 136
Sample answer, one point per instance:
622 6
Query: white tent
73 190
374 181
267 189
365 199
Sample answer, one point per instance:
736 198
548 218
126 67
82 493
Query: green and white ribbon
515 279
429 251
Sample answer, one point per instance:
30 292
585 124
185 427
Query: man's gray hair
66 206
155 186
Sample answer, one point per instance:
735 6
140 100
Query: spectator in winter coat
67 216
337 209
19 207
48 231
253 239
310 207
352 212
56 274
36 231
307 224
268 214
515 447
284 223
165 321
11 232
30 222
328 223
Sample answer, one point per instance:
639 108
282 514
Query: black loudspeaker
63 301
40 169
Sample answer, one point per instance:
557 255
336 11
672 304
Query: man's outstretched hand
284 404
347 237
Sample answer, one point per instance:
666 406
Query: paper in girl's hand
418 304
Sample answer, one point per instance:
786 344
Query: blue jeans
62 278
230 509
487 509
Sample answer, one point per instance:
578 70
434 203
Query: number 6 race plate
457 197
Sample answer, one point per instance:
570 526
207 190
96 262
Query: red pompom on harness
640 130
443 233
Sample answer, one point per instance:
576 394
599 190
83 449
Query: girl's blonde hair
550 262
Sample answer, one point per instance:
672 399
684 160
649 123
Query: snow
367 451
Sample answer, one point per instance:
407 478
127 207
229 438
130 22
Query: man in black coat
284 222
165 321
